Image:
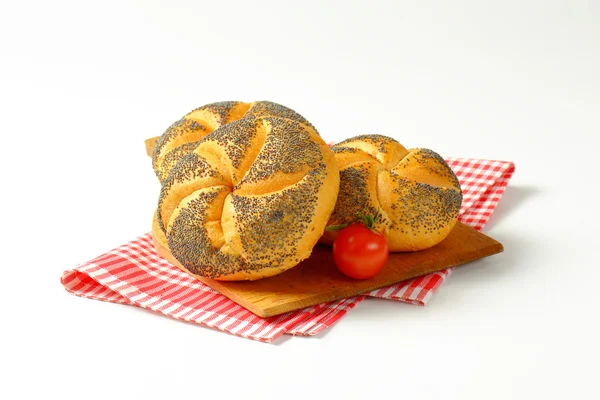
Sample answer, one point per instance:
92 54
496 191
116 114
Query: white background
82 84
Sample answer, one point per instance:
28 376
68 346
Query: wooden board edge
261 312
273 311
150 144
267 312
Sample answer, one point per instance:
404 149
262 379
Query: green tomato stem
367 220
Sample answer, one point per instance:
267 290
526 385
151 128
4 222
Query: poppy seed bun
181 137
414 191
249 201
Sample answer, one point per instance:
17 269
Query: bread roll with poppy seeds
249 201
181 137
415 193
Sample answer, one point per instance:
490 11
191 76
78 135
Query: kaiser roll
247 201
415 194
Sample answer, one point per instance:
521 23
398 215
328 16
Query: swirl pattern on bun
249 200
182 136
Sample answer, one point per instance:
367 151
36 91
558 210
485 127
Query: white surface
82 85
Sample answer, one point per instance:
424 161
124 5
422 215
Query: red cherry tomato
360 252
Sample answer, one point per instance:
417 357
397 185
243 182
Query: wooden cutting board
317 280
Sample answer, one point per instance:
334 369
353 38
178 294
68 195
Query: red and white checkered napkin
135 274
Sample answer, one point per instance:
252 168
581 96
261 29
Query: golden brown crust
414 191
249 201
177 141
